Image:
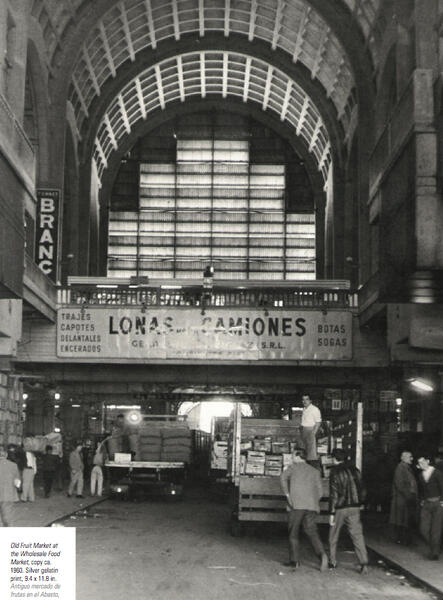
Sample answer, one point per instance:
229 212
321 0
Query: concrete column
426 34
428 206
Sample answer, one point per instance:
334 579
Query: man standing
431 515
404 499
97 471
303 489
76 467
310 423
50 464
346 495
29 472
9 482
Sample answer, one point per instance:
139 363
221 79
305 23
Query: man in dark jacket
303 489
50 464
346 495
404 499
431 515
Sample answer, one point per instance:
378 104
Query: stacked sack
146 444
38 443
176 444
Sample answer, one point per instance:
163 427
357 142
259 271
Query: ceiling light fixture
421 385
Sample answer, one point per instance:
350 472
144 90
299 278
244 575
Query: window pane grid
212 206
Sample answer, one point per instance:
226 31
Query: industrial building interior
203 160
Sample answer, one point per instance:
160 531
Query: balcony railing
220 294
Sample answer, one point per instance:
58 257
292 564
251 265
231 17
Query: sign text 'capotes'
218 334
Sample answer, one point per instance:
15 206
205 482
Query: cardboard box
122 457
263 445
256 457
274 460
254 469
220 449
273 471
245 446
219 462
280 447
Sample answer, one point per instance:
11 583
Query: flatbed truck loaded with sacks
149 456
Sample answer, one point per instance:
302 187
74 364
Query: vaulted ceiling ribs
225 74
133 25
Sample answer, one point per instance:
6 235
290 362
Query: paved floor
411 560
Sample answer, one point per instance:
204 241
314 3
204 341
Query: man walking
76 466
310 423
303 489
404 499
9 483
346 495
431 515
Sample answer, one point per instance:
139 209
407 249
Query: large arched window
212 189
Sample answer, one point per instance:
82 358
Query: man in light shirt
310 423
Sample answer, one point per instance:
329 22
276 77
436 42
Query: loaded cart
149 456
259 449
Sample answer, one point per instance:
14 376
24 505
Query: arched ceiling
208 74
119 30
292 26
57 17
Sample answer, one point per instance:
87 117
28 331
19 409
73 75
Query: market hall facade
205 200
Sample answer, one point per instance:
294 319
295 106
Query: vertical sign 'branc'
46 238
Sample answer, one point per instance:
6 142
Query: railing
265 297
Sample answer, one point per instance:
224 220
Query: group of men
16 478
414 499
302 484
76 469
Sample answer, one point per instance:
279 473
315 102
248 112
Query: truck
149 456
258 451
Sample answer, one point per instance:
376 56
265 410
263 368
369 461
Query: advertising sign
46 238
218 334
